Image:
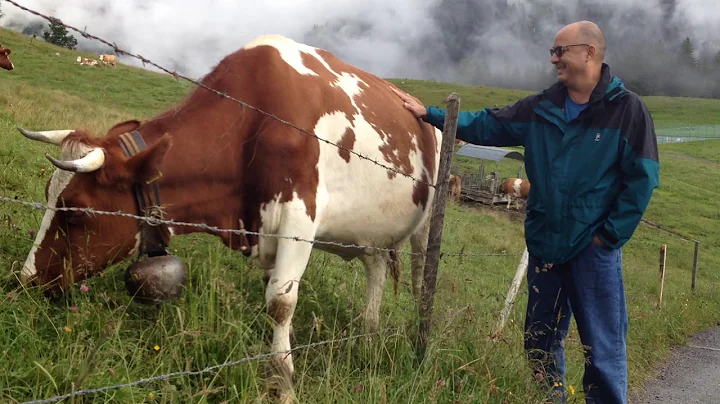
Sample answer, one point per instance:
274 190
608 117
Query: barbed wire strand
156 221
197 83
205 370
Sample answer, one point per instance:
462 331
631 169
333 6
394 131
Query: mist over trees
657 47
506 43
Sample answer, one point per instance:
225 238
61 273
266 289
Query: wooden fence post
663 256
695 263
510 298
432 258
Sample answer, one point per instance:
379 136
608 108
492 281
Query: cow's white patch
136 248
58 182
289 51
371 210
516 187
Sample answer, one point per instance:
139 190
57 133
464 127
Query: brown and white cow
86 61
108 60
230 166
515 189
5 61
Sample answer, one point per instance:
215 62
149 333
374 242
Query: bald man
592 160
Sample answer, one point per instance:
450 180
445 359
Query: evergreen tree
58 35
687 53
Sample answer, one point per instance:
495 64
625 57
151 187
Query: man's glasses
560 49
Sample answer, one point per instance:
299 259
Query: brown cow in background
5 61
515 188
108 60
455 186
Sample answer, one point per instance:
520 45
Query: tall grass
99 337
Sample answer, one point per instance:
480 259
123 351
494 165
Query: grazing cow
515 189
5 61
219 163
108 60
455 186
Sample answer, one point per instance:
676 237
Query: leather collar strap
154 239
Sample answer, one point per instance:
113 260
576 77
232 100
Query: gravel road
690 376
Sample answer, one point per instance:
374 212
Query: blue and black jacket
591 176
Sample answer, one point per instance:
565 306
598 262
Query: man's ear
145 166
592 51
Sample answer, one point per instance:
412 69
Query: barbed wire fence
156 221
168 376
433 253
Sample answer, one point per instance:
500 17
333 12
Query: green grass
110 340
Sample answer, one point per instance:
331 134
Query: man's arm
640 176
505 126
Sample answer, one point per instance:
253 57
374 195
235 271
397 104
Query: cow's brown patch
347 142
279 310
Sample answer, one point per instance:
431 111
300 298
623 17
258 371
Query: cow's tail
395 266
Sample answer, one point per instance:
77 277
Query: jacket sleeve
505 126
640 172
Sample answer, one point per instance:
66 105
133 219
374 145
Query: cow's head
91 172
5 61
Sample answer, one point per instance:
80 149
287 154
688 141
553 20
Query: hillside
100 338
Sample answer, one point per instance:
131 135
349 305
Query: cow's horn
51 136
91 162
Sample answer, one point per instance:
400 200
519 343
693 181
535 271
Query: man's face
569 57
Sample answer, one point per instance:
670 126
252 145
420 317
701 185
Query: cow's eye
74 217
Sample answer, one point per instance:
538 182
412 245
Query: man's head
578 52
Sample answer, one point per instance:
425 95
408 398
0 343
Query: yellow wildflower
157 347
67 329
150 395
572 389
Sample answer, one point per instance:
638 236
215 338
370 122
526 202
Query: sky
423 39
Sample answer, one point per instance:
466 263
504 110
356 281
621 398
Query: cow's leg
376 266
282 293
418 245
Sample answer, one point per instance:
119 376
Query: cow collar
154 239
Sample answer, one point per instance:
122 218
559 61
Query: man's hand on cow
411 103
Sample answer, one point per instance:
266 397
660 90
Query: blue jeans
590 286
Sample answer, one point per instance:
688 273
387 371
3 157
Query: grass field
98 337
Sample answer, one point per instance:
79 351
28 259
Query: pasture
96 336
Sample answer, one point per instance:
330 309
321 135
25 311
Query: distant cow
86 61
5 61
455 186
108 60
515 188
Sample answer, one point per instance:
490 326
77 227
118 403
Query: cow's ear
123 127
145 166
